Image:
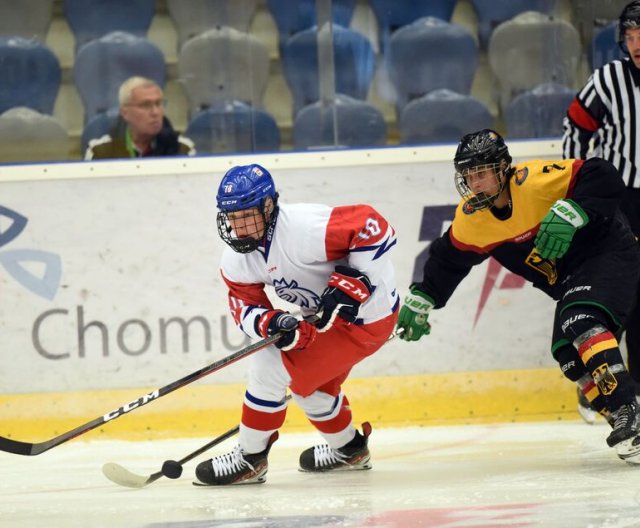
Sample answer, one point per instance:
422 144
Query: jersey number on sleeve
371 228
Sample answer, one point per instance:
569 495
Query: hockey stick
30 449
123 477
173 468
170 468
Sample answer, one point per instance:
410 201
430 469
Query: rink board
436 399
110 285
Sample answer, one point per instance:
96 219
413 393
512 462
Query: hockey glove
558 227
348 288
414 315
297 335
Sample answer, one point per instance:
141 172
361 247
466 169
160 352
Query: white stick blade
122 476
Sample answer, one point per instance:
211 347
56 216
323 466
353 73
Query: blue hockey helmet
246 187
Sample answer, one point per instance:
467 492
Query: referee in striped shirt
609 105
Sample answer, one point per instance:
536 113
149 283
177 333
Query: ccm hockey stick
173 468
30 449
170 468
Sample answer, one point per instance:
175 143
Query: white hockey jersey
299 255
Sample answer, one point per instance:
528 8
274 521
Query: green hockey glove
414 315
558 227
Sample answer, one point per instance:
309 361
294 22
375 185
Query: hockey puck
171 469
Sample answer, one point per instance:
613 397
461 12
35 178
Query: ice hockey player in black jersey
606 110
558 224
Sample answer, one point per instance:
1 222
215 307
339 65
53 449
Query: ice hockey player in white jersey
331 261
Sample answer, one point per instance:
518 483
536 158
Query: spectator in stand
142 129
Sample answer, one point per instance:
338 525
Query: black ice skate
354 455
625 436
236 467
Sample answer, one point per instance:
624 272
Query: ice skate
354 455
625 436
236 467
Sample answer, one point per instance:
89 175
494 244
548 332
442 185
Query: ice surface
558 474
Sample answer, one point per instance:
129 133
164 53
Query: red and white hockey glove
348 289
297 335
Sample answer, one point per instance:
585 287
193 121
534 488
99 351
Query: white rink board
139 251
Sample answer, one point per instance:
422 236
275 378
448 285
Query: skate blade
256 480
629 450
346 467
588 415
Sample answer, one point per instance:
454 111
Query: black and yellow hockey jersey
508 235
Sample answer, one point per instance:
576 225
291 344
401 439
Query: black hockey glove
348 289
297 335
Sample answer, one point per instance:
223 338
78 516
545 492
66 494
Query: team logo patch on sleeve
468 209
521 175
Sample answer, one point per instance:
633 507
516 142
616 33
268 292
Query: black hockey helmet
485 147
477 151
629 19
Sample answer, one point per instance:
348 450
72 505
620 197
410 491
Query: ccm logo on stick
131 405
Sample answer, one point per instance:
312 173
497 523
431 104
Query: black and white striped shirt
609 105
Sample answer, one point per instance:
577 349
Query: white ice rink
557 474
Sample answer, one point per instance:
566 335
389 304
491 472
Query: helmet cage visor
480 200
244 230
245 244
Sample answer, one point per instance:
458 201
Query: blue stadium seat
428 55
359 124
26 18
442 116
353 60
393 14
99 125
223 64
30 74
590 15
492 13
91 19
27 135
290 21
551 46
102 65
538 112
233 126
192 17
604 47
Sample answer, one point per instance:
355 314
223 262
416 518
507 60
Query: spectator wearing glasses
142 129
